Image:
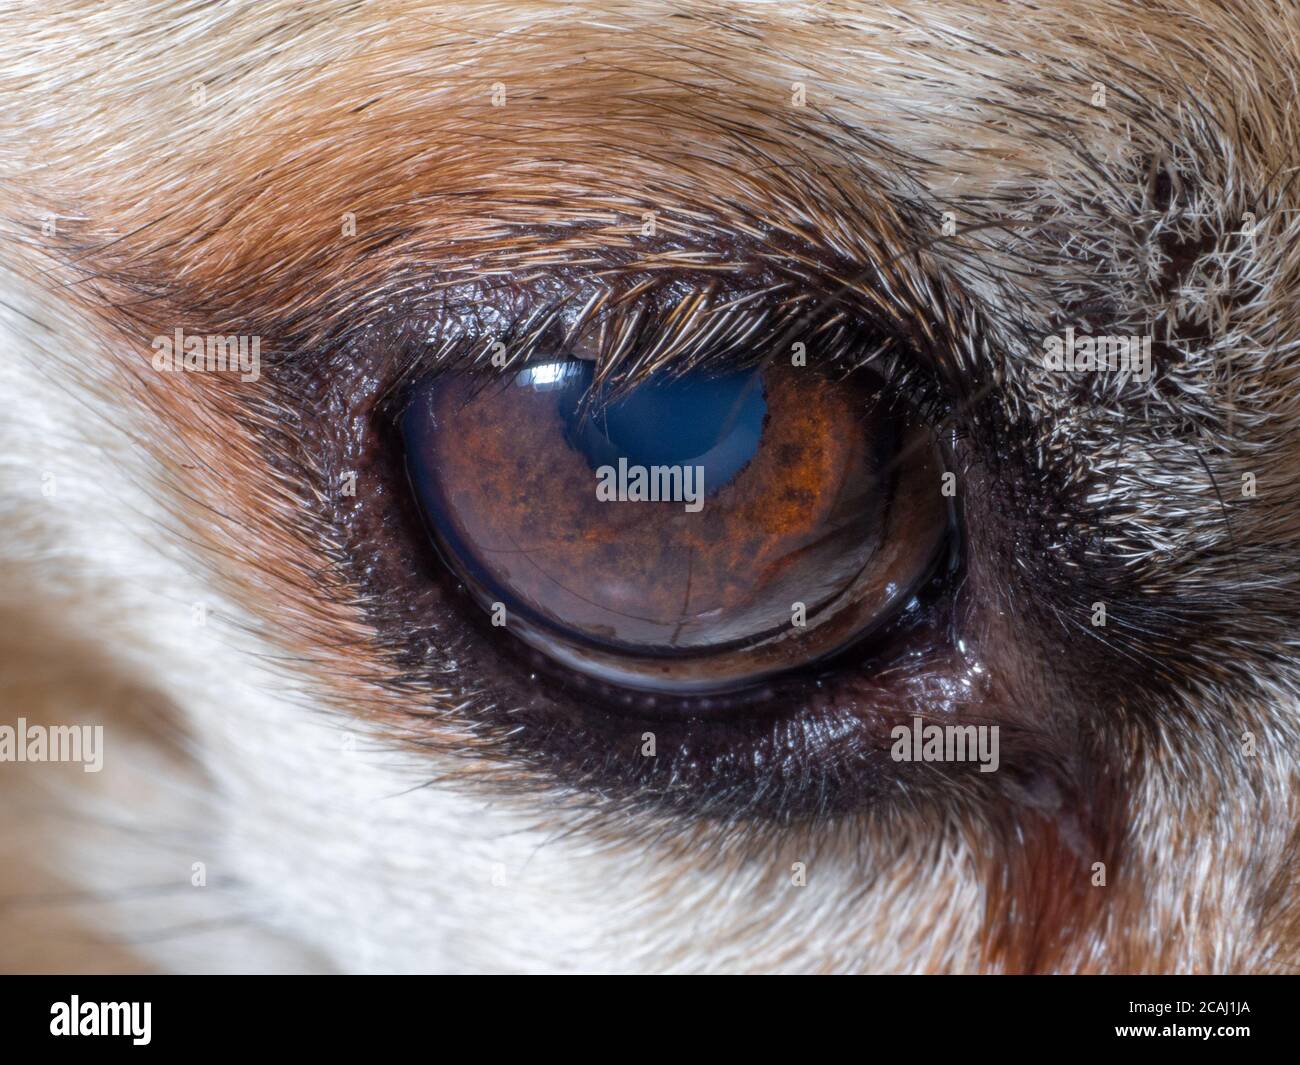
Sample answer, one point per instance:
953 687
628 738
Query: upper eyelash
671 326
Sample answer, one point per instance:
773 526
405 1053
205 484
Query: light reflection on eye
698 532
548 375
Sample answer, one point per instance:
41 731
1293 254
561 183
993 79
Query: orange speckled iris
826 525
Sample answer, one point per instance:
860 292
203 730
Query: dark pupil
711 421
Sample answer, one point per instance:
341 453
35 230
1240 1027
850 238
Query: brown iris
695 532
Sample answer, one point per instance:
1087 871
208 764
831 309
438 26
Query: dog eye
694 531
657 557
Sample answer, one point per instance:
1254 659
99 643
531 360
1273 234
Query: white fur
323 849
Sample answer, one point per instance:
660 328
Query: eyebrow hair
310 300
257 244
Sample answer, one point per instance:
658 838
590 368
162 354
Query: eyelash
653 325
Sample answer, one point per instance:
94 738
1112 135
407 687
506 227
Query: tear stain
1045 912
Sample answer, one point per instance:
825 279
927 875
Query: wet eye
694 532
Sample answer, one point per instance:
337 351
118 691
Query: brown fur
226 217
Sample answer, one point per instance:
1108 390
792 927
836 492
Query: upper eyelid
853 290
650 330
371 301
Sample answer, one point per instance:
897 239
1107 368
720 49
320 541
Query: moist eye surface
697 532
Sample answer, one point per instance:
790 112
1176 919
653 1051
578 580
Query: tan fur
224 216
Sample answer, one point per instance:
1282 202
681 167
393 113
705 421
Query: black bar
1047 1015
